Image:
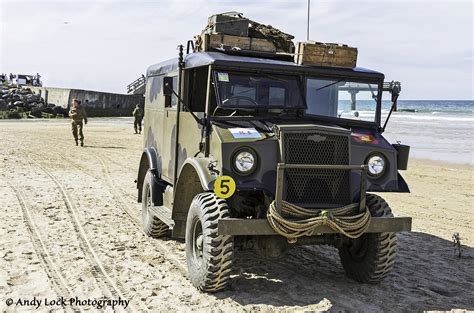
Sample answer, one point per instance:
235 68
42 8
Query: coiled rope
346 220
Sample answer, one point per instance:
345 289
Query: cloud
107 44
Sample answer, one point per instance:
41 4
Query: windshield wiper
260 129
266 130
329 85
375 97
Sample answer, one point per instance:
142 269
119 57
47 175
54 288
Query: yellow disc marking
224 187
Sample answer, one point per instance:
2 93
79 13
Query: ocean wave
465 111
431 118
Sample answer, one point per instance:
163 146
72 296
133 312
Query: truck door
169 132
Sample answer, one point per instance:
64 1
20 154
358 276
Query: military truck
254 152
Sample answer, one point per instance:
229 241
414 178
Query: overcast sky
104 45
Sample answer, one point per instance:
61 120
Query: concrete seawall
96 103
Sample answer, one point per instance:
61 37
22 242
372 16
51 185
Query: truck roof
198 59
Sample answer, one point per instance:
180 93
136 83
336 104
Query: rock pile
18 102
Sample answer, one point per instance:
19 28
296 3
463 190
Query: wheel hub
146 209
198 240
358 248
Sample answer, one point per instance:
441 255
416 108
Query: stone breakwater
17 102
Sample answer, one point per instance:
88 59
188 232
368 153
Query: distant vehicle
22 80
231 140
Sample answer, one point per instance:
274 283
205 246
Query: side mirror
167 86
396 88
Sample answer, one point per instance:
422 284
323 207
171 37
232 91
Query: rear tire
152 225
370 258
208 255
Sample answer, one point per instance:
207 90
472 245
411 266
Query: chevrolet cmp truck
246 151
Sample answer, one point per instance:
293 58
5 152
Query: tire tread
215 274
381 254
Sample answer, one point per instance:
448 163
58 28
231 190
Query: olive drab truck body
243 150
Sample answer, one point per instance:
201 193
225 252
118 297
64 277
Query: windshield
342 99
244 90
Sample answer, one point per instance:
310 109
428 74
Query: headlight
245 162
376 165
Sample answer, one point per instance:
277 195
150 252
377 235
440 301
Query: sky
105 45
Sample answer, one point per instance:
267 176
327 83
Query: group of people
78 116
20 79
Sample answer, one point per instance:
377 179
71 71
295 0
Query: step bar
163 214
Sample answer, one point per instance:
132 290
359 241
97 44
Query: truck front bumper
261 227
257 227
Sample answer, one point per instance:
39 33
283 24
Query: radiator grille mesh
316 187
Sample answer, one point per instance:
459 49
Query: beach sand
71 228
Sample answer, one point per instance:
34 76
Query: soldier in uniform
138 115
77 113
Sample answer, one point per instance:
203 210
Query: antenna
307 29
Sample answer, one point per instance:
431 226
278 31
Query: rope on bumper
346 220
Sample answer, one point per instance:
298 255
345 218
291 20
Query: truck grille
316 187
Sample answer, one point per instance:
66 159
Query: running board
163 214
241 226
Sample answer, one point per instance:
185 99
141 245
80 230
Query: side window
154 87
198 89
174 99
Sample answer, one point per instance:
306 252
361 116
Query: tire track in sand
98 270
49 265
169 254
122 204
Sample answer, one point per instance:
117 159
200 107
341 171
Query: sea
434 129
438 130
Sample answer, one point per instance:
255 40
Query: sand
71 228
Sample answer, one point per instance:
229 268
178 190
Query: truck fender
194 178
149 161
402 184
201 166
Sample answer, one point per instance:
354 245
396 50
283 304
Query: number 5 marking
224 187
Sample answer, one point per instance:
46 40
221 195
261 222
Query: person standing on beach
77 113
138 115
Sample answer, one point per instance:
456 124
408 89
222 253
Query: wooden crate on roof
325 54
209 42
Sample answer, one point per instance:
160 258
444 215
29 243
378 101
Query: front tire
370 258
152 225
208 255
